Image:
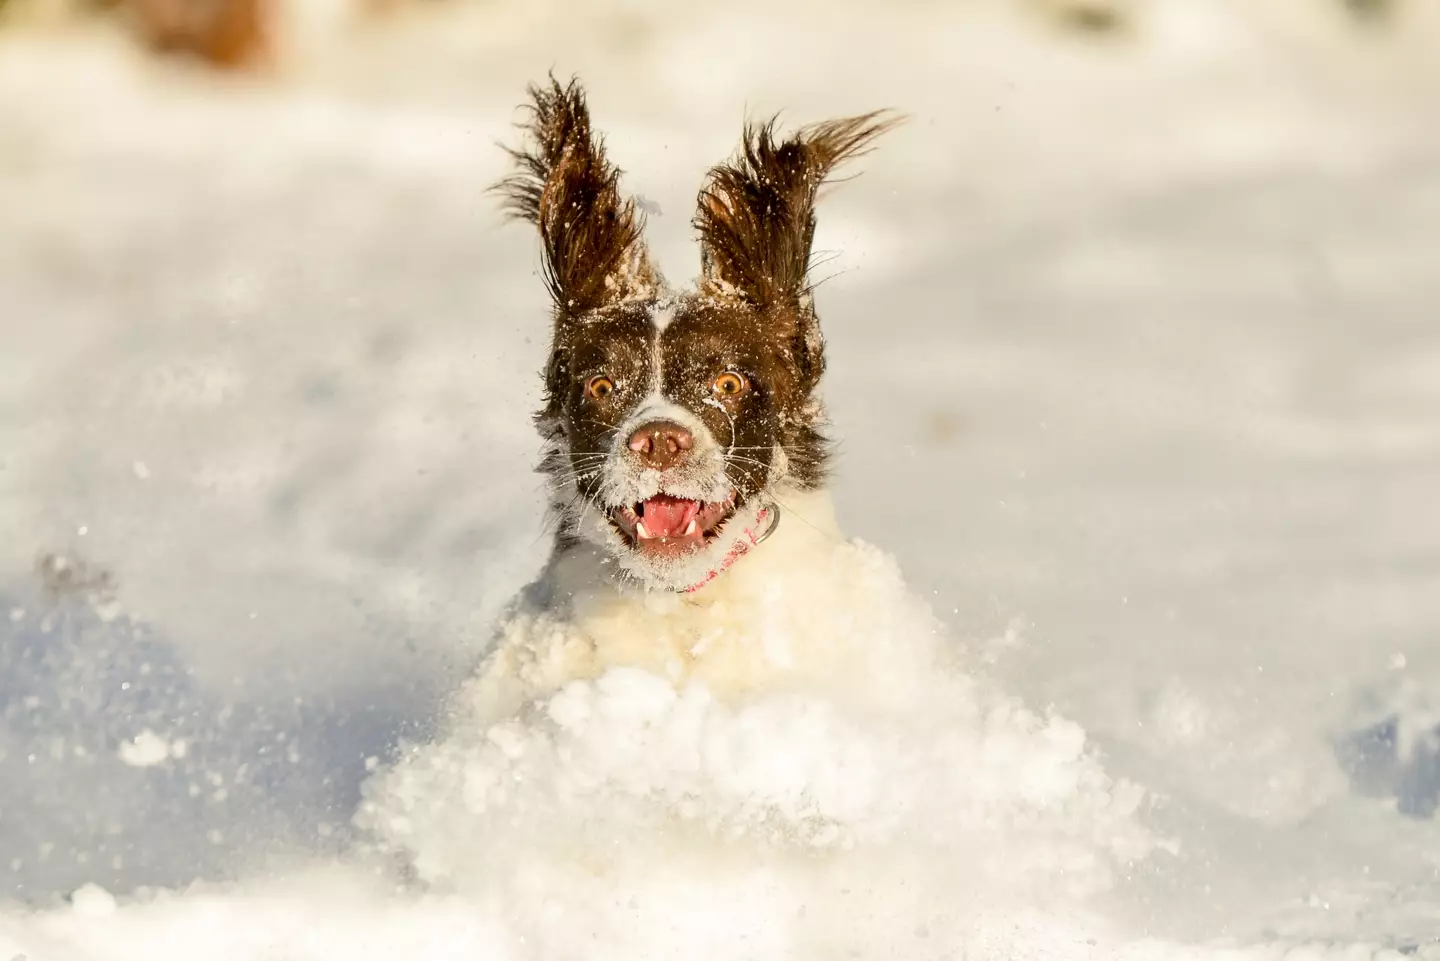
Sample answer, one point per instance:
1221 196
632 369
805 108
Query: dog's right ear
592 239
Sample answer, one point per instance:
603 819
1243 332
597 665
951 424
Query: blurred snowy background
1135 364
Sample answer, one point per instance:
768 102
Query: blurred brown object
64 575
1086 16
1372 10
226 33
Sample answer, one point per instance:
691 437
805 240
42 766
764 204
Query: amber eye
598 388
730 384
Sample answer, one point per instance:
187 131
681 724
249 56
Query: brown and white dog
681 426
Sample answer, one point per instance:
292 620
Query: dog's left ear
757 211
592 239
756 216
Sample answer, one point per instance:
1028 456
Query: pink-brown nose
661 443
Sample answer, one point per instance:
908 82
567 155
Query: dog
685 442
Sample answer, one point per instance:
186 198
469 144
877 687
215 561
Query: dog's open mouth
672 525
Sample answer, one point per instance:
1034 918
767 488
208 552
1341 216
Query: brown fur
594 252
226 33
757 212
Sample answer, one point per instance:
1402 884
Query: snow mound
789 820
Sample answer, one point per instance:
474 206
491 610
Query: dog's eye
730 384
598 388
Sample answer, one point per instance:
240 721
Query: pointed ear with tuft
757 211
592 239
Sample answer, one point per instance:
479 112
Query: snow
148 749
1134 364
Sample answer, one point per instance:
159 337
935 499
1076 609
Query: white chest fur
806 608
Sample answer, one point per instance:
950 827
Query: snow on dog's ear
592 238
756 218
757 211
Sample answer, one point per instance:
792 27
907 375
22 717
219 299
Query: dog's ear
757 211
757 221
592 239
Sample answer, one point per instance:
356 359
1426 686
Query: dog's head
671 417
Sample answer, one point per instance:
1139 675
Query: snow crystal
146 749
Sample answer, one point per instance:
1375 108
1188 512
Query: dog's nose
661 443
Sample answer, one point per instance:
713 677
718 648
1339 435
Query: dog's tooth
690 529
641 532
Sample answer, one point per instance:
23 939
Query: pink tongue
667 516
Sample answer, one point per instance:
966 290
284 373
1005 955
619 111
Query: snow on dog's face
672 416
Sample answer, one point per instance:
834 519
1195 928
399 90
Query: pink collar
742 547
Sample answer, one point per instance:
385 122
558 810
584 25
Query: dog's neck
761 549
754 530
804 607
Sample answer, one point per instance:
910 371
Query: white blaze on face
655 405
662 315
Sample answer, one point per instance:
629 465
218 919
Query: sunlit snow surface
1136 368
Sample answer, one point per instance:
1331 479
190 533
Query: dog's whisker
750 460
790 510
